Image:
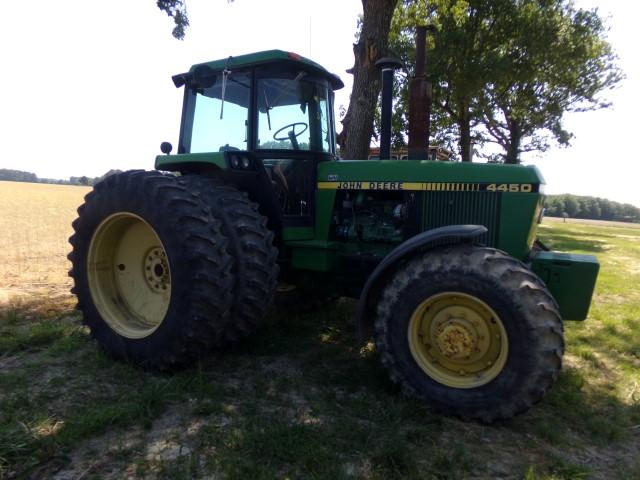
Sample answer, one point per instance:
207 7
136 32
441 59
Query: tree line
592 208
21 176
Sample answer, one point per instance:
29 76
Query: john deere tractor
464 310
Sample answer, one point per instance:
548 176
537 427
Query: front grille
464 208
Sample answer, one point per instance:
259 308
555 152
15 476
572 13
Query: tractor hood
427 175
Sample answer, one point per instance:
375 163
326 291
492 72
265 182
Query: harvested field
35 223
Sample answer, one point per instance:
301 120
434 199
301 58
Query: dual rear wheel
166 268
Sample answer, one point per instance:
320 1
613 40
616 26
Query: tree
371 45
591 208
556 61
17 176
460 58
571 205
177 10
506 71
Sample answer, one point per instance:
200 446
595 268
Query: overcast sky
85 86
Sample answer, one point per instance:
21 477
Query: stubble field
299 399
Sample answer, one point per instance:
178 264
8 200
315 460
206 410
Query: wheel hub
156 270
458 340
455 340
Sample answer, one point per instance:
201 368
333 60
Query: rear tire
151 270
472 330
250 244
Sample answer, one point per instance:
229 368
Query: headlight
245 162
235 161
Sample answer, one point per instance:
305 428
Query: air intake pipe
388 66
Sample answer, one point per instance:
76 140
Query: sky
86 87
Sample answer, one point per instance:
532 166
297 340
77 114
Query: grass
301 400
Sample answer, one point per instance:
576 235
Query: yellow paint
129 276
458 340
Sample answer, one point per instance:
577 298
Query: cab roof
261 58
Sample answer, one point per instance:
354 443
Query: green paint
517 221
325 200
426 171
570 278
315 255
268 57
177 162
297 233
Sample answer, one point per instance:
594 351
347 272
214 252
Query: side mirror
166 147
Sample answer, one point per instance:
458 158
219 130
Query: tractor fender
451 234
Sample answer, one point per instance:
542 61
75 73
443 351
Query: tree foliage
21 176
592 208
177 10
506 71
17 176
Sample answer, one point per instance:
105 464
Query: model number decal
510 187
431 186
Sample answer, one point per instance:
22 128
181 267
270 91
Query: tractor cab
269 111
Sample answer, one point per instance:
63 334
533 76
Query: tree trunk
512 156
464 124
357 130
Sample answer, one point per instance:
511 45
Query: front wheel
472 330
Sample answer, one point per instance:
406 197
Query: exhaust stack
420 101
388 66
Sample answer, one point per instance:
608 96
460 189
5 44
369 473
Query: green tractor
465 310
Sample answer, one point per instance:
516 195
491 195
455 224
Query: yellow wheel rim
458 340
129 276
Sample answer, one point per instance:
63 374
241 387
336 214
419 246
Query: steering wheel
292 132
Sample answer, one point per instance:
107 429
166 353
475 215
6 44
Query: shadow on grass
568 243
298 399
299 395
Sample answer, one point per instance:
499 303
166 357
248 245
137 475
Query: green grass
300 399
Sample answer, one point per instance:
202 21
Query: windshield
220 125
292 113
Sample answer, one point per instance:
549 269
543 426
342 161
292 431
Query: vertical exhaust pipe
388 66
420 101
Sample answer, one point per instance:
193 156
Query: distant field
35 223
604 223
299 399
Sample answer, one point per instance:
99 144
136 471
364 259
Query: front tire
151 271
472 330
